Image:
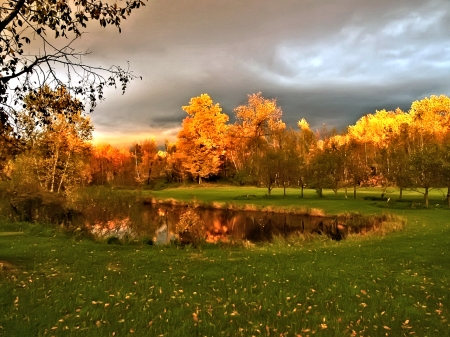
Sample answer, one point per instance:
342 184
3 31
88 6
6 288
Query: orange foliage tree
148 160
254 137
111 165
201 141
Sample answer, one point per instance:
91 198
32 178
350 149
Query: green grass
331 203
394 285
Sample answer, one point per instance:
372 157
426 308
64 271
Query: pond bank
224 223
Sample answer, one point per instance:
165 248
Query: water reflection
222 225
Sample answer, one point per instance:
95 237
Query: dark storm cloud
329 61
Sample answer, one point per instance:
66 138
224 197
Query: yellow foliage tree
431 119
427 138
201 141
379 128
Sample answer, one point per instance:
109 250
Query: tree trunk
354 191
302 190
54 170
149 175
167 227
425 197
365 151
346 196
448 196
101 165
136 162
37 172
64 173
401 193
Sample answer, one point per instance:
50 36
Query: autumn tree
269 164
446 167
429 129
57 151
201 141
357 170
326 165
336 151
364 138
254 132
173 163
394 158
111 165
259 119
307 143
319 171
149 161
291 164
36 49
426 169
430 120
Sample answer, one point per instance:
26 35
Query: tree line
409 150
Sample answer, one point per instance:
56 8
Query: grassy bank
397 285
368 201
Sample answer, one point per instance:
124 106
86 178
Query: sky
328 61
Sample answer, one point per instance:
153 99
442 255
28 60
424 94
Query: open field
396 285
331 203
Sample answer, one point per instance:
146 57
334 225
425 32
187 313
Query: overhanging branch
12 15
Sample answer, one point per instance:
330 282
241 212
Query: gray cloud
327 61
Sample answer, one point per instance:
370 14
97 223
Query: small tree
291 162
357 170
269 167
426 169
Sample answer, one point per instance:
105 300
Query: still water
242 225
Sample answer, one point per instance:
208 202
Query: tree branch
25 69
12 15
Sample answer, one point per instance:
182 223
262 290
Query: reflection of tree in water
222 225
262 232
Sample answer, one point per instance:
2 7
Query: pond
225 224
152 220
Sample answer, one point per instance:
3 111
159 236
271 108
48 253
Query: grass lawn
394 285
331 203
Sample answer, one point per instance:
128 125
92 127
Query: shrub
29 202
378 224
190 228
